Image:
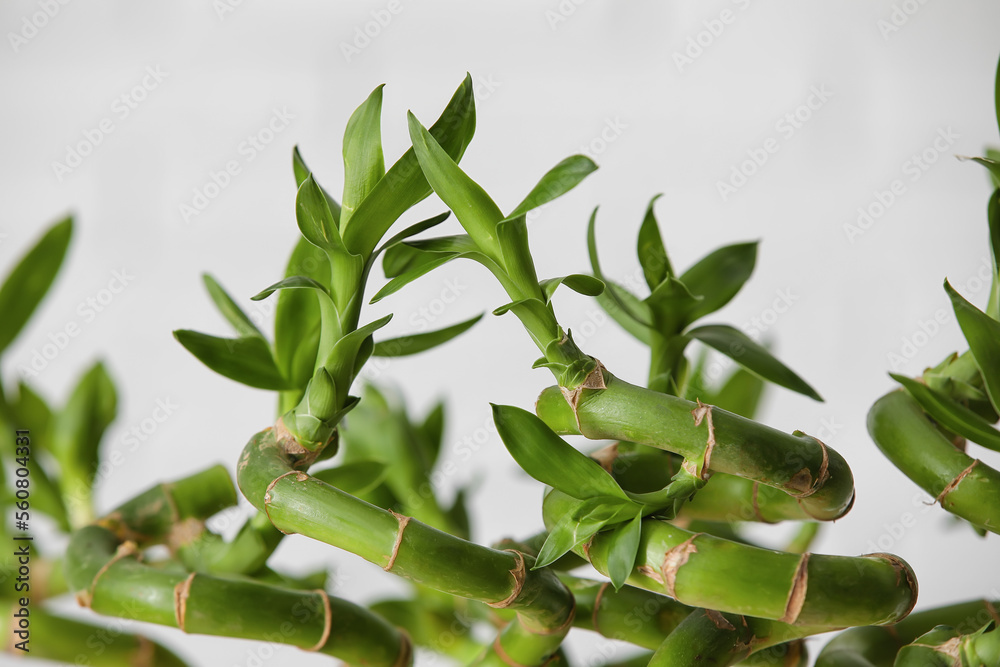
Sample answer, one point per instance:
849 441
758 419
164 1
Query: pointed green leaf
671 305
993 216
364 164
302 172
33 411
246 360
413 230
623 550
983 335
513 237
652 255
989 163
29 281
456 243
536 316
623 316
436 260
951 414
549 459
420 342
719 276
356 477
79 427
752 356
586 285
402 258
232 312
458 514
619 296
556 182
430 433
315 219
292 282
404 184
342 362
580 524
478 213
297 315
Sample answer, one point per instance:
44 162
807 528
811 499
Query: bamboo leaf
356 477
413 230
29 281
556 182
315 218
292 282
623 550
430 433
456 243
420 342
750 355
719 276
404 184
297 315
513 237
364 164
993 216
671 305
33 410
79 427
478 213
246 360
624 305
652 255
232 312
983 334
586 285
302 172
342 362
579 525
951 414
402 258
989 163
458 514
633 325
549 459
424 267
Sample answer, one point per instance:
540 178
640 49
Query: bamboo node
650 572
606 456
563 627
797 594
518 573
803 481
673 560
181 593
756 505
502 654
902 569
403 522
327 621
145 653
953 484
405 657
704 413
184 533
719 621
85 597
594 380
268 498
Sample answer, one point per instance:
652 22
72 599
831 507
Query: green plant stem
878 646
271 476
701 570
962 485
946 647
798 464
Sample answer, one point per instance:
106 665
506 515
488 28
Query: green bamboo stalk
878 646
271 475
442 628
947 647
962 485
798 464
75 642
701 570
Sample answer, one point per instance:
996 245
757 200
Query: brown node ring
519 572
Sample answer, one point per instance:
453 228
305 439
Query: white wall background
551 78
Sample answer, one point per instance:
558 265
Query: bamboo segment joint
268 498
804 477
673 560
718 620
797 594
902 569
405 658
597 607
327 621
403 522
594 380
953 484
704 413
85 597
181 593
518 573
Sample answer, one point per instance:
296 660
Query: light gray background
551 79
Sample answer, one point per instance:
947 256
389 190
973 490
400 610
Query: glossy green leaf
478 213
29 281
79 427
983 334
302 172
364 164
579 525
292 282
356 477
297 315
458 514
623 316
404 184
232 312
719 276
456 243
513 237
34 413
413 230
623 550
993 216
652 255
582 284
625 306
401 258
246 360
951 414
556 182
752 356
536 316
315 219
671 305
342 361
425 267
549 459
420 342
